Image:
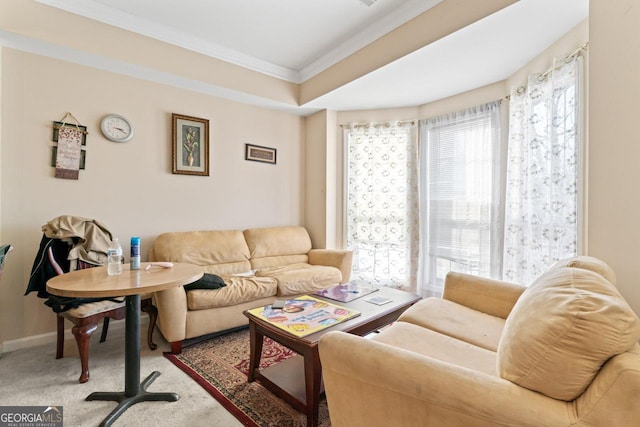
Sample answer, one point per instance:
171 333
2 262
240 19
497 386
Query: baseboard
28 342
50 337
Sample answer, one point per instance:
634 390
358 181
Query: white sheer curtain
542 175
461 182
381 207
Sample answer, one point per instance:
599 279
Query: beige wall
129 186
316 176
614 193
322 203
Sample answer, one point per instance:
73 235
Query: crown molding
390 22
101 13
63 53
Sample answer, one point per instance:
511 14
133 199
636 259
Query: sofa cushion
302 278
276 261
277 241
438 346
457 321
563 328
238 290
226 251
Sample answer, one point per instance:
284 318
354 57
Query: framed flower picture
190 145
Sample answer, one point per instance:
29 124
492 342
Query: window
461 201
381 203
461 169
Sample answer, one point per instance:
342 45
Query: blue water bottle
135 253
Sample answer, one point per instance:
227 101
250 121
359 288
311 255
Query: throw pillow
588 263
563 328
207 281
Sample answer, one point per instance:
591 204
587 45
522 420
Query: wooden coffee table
284 378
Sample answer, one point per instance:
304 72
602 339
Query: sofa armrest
152 255
335 258
371 384
611 398
489 296
172 313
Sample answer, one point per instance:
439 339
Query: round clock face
116 128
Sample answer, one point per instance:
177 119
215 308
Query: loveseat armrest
340 259
611 398
172 313
370 384
489 296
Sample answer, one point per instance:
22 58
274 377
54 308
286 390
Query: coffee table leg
313 377
255 353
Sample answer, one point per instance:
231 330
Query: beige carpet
34 377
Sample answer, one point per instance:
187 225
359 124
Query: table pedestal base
126 401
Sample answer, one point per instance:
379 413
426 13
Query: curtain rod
567 59
544 75
377 124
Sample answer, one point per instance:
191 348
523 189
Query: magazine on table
346 292
304 315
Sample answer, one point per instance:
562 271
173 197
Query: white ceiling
296 39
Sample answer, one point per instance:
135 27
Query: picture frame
58 125
257 153
190 145
54 154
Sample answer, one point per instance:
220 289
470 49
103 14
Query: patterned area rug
220 365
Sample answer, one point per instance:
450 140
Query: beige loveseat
563 352
257 265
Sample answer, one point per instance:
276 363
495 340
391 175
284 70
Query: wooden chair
85 319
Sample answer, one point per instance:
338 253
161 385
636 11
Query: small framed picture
58 125
260 154
190 145
54 155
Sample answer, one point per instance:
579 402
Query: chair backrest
53 262
81 265
61 304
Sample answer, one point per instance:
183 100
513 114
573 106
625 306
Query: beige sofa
563 352
257 265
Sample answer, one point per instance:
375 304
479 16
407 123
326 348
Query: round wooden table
95 283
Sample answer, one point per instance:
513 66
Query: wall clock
116 128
